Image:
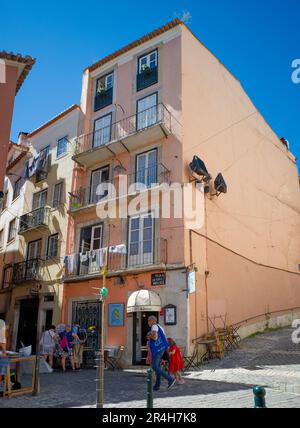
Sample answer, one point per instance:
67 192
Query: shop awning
144 301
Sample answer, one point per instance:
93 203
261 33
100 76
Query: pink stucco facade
246 255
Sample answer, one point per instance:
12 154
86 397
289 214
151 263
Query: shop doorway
28 320
140 330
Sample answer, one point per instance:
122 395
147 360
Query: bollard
259 397
149 389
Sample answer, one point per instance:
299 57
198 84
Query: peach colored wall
125 95
115 336
7 98
259 216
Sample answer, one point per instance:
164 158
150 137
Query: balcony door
39 200
141 240
102 131
34 250
146 168
146 112
90 240
98 177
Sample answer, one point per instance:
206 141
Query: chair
190 361
114 361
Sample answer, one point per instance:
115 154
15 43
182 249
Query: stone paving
270 360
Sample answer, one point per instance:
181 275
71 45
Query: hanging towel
119 249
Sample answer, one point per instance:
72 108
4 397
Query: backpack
64 343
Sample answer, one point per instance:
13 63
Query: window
52 246
91 238
17 188
102 130
141 235
12 231
7 276
148 61
34 250
4 200
1 238
99 176
39 200
146 168
104 91
105 83
147 111
147 71
57 195
62 147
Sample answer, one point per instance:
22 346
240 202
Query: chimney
22 139
285 142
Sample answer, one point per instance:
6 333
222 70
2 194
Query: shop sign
158 279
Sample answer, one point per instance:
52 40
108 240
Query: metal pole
36 387
259 397
149 389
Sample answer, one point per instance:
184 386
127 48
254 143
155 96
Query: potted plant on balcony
101 90
146 70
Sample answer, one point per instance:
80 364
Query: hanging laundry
119 249
31 166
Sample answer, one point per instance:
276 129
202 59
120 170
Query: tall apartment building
11 205
13 71
40 228
147 110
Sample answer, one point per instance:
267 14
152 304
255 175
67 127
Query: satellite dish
220 184
198 167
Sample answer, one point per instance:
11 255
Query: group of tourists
64 342
162 349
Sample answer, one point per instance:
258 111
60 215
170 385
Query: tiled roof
27 61
136 43
53 120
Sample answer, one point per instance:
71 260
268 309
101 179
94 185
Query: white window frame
39 195
56 202
148 257
148 61
63 139
93 197
50 238
102 138
108 82
145 172
11 229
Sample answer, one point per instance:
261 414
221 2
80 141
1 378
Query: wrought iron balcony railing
103 99
141 179
29 270
146 78
118 258
34 219
119 131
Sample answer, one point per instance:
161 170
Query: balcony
146 78
28 271
103 99
142 256
34 220
85 197
124 136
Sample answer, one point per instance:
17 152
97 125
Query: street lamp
100 359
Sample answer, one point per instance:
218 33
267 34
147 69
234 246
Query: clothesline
95 257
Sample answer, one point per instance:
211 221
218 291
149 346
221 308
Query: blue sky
257 40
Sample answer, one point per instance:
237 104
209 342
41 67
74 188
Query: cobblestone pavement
270 360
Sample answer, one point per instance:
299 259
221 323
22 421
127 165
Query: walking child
176 363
